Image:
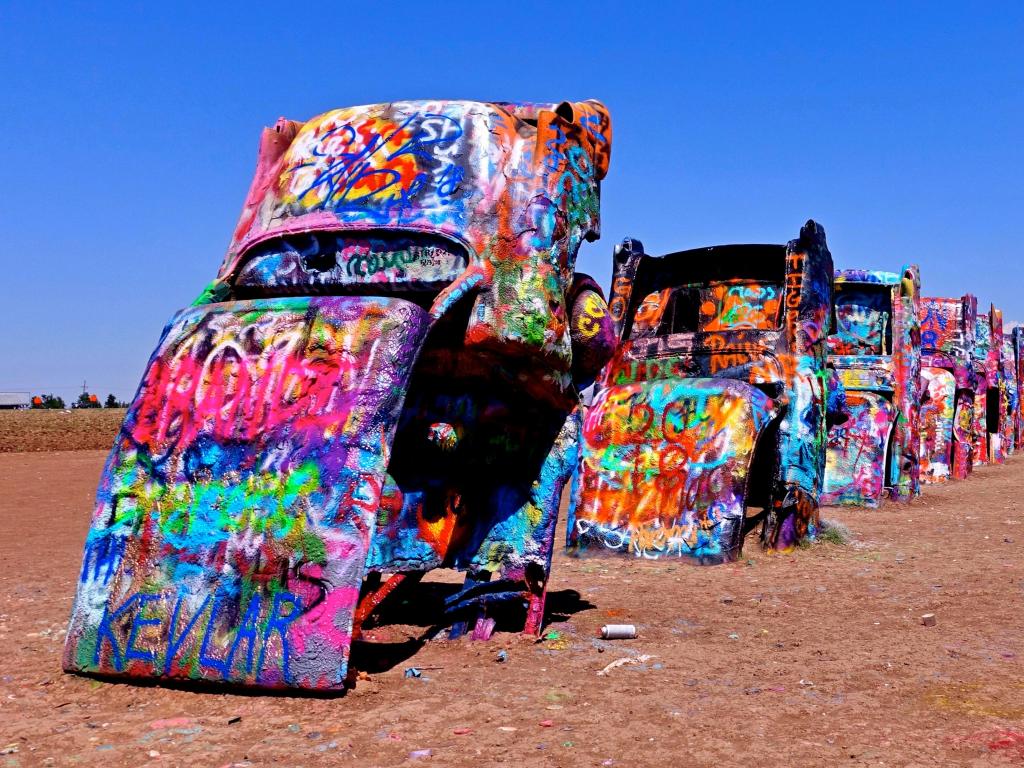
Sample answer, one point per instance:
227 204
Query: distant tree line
47 401
85 400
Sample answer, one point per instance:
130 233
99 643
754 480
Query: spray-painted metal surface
875 349
1017 343
948 385
713 404
987 367
381 380
998 405
1009 394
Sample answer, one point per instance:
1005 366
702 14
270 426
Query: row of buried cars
751 383
384 378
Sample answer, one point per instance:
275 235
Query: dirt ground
815 658
59 430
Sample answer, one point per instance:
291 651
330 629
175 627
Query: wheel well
762 472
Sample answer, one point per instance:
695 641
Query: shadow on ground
422 606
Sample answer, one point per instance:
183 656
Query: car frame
948 385
988 406
1017 344
710 418
875 349
1009 392
382 380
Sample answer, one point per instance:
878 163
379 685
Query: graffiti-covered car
1017 344
1009 398
381 380
948 385
988 336
710 418
875 349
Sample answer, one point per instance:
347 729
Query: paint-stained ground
814 658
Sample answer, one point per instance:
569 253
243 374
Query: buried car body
875 349
710 418
1009 389
988 346
948 384
1016 337
381 380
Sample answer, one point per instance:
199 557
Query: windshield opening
862 319
715 306
381 262
723 288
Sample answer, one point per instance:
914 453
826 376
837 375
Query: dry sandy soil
53 430
814 658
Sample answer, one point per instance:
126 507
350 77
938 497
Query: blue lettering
103 554
130 651
278 623
248 631
212 661
105 631
174 644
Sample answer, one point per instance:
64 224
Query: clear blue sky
130 132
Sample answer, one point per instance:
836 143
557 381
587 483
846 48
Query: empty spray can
618 631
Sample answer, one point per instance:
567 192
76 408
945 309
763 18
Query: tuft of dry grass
834 532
